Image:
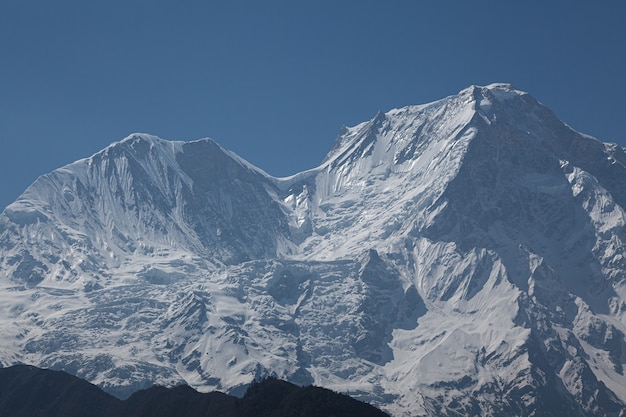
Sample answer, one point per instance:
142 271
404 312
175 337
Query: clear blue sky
274 81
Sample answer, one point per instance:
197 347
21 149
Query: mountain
33 392
464 256
26 391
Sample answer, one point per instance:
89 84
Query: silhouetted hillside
27 391
32 392
275 398
181 401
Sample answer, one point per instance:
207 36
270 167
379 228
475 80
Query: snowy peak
391 170
402 133
141 196
500 91
379 136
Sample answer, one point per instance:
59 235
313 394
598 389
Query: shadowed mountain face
463 256
33 392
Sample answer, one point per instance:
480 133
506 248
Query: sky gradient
274 81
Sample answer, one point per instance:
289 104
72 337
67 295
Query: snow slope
460 257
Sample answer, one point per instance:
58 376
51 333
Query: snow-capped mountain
461 257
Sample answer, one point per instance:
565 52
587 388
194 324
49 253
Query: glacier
462 257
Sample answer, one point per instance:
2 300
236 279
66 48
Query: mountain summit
464 256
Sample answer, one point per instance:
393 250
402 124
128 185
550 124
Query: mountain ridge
465 255
33 392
